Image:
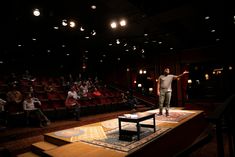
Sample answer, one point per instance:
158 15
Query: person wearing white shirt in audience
29 106
71 102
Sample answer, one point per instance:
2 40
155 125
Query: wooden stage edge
180 136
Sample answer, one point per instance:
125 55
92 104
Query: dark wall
207 57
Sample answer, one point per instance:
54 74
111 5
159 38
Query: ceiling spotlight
82 29
207 17
72 24
93 7
93 32
117 41
64 22
123 23
36 12
113 25
134 47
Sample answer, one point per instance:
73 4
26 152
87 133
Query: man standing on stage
164 89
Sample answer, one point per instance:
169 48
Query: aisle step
28 154
40 147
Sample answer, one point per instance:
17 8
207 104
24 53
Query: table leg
154 124
138 130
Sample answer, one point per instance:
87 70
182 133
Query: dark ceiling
171 26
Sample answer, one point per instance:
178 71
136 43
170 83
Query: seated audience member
84 90
2 104
2 113
71 102
96 92
49 87
14 95
29 106
131 101
14 100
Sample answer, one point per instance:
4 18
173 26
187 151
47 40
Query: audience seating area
53 101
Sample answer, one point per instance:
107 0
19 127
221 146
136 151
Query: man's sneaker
167 113
159 114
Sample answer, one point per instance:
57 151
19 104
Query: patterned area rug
82 133
112 141
175 116
112 123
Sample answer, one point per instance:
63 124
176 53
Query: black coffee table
135 118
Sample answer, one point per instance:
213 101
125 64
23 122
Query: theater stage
173 134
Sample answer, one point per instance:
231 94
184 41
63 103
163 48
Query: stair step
28 154
43 145
49 137
40 147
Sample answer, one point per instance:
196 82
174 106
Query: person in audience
84 90
164 89
49 87
14 99
71 102
96 92
2 104
131 101
2 113
31 90
29 106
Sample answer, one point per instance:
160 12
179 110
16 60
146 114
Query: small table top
136 116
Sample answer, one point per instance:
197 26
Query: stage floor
101 139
